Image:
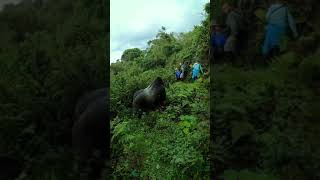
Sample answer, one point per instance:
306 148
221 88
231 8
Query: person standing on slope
279 23
183 67
217 40
232 31
196 71
178 74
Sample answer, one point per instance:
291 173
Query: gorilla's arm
91 131
85 100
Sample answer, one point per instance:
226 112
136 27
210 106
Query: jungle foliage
51 52
173 141
265 118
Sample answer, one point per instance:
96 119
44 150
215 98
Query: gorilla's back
85 100
150 97
91 127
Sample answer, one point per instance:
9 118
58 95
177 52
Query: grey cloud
133 39
130 39
4 2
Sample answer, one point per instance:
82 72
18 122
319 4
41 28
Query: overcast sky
134 22
3 2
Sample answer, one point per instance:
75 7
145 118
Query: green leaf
186 130
246 175
189 118
185 124
240 129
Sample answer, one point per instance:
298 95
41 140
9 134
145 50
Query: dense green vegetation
173 141
265 117
51 53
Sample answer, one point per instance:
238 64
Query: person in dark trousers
217 41
184 69
177 73
232 31
279 23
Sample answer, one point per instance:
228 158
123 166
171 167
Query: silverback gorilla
90 132
10 167
150 97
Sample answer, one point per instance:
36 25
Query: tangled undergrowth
171 142
265 120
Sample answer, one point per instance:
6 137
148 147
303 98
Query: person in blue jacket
217 40
197 69
279 21
178 73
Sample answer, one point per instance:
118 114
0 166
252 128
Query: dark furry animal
10 167
90 132
86 99
151 97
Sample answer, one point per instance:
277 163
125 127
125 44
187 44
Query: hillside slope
173 141
264 122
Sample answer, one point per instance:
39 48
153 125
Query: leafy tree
131 54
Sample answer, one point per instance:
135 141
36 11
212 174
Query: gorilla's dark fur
151 97
90 132
86 99
10 167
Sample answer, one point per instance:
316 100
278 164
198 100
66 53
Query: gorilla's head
150 97
157 82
